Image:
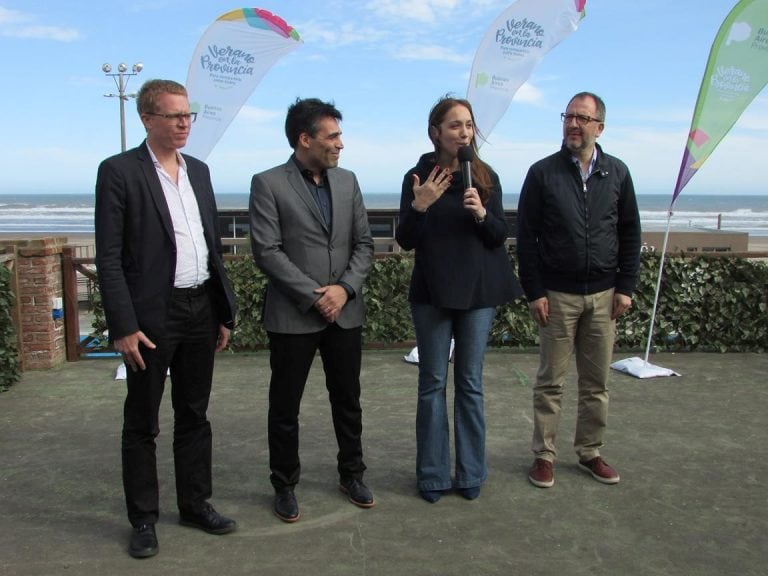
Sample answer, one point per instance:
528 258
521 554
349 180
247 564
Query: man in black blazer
168 305
310 237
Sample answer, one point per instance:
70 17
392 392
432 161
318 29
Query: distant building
383 221
695 240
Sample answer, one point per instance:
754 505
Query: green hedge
9 357
706 304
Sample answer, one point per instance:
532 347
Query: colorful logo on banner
231 58
513 45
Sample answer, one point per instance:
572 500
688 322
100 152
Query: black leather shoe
285 506
357 492
143 541
207 519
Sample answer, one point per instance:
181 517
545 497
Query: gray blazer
297 252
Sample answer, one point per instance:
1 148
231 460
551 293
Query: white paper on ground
639 368
121 375
413 356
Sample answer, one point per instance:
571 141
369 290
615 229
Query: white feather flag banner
231 58
512 47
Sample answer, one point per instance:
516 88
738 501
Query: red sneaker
600 470
541 474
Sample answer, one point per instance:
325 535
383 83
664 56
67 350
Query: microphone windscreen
466 154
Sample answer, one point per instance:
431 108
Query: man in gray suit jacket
310 237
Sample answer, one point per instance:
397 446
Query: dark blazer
297 252
136 247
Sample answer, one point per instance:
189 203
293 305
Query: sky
384 64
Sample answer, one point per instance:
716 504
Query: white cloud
379 165
426 11
332 35
430 52
15 24
252 114
11 16
654 155
489 3
511 157
529 94
42 33
143 6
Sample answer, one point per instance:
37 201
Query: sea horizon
62 213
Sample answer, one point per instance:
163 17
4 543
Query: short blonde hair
146 99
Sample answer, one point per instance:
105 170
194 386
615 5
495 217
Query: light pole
121 81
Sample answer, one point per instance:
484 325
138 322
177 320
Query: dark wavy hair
304 115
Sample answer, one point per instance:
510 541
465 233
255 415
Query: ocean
63 214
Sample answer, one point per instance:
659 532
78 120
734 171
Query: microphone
466 155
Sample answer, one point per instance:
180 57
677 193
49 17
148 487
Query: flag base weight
640 368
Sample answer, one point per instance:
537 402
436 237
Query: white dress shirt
191 249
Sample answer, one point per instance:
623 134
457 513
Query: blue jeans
434 329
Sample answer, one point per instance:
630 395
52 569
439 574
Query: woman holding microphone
461 273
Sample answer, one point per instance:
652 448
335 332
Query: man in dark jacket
168 305
578 248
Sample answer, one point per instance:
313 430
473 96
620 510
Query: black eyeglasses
581 119
186 116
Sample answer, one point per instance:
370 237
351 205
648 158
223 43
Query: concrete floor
690 450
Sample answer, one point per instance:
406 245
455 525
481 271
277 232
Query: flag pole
658 288
640 367
736 72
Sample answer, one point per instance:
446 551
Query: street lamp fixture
121 78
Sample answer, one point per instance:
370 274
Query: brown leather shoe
600 470
541 473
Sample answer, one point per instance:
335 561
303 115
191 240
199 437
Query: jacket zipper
586 233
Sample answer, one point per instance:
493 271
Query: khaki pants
582 323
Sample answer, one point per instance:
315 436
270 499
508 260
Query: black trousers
291 357
187 348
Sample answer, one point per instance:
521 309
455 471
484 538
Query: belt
190 292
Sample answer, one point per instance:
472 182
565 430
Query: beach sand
756 243
78 239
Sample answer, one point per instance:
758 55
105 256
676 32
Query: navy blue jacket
460 264
575 237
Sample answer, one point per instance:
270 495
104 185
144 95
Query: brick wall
43 343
